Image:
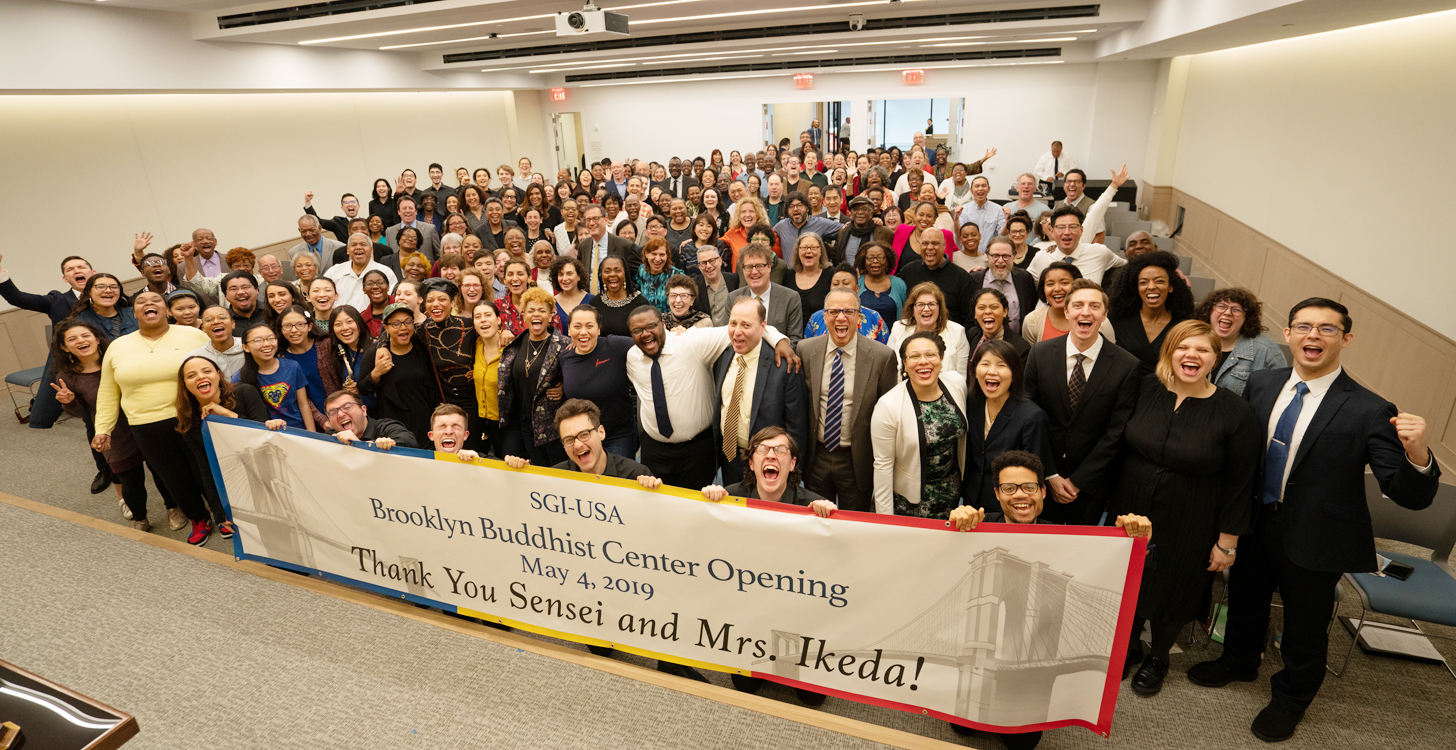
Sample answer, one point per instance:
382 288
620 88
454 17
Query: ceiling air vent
312 10
837 62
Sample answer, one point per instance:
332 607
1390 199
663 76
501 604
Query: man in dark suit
1086 429
847 374
408 217
1016 285
677 183
754 393
1312 519
598 243
785 310
715 288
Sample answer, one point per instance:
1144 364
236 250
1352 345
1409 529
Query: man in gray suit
839 459
753 392
785 311
408 213
314 243
597 243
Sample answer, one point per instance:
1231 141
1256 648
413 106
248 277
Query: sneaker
225 529
100 482
201 530
176 519
125 511
143 525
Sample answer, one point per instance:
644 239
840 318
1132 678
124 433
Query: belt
842 449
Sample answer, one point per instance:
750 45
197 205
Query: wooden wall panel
1393 354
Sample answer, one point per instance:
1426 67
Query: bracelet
1229 551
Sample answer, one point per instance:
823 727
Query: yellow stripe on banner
596 642
580 477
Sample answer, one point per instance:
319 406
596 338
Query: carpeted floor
208 656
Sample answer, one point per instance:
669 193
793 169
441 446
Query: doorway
566 128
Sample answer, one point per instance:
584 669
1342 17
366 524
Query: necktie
730 415
1078 382
1278 456
675 192
1056 167
598 250
1013 310
834 410
659 399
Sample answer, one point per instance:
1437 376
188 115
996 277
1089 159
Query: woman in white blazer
919 434
925 310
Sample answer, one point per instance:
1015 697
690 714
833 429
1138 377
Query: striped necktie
834 409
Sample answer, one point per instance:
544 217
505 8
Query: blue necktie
659 400
834 410
1278 454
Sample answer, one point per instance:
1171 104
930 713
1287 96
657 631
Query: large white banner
1006 627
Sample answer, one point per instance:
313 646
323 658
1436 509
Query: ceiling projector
590 20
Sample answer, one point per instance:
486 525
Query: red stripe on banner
1131 588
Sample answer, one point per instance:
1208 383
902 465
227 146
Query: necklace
533 353
609 302
151 344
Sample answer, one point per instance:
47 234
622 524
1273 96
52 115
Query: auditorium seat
1202 287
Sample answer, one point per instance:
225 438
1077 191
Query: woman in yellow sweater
139 378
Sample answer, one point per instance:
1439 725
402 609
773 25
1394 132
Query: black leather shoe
1149 677
1276 723
1133 659
1216 674
600 650
1021 741
962 731
668 667
809 697
745 684
101 482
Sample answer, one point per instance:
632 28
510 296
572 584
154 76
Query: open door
570 150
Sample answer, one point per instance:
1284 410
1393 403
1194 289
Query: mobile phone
1398 570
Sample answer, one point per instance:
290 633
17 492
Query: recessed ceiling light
1004 41
806 52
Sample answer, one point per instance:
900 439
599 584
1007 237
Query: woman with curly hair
1148 299
1237 318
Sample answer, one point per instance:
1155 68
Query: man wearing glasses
1017 285
1312 517
579 423
785 311
847 374
1092 259
599 243
350 421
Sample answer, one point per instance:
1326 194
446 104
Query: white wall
93 170
1002 111
1338 147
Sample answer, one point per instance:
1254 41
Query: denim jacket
1249 355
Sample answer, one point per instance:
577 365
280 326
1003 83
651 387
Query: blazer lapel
1094 381
760 379
1339 393
862 367
1263 403
1002 419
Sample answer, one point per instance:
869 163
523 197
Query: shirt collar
1091 353
1318 386
848 348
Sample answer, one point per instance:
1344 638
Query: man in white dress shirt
1053 165
1091 259
673 376
982 212
348 277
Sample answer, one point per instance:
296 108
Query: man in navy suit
754 392
1312 521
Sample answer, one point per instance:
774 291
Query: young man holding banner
1021 489
579 423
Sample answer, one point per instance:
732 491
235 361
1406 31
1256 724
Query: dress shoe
600 650
1149 677
668 667
1021 741
1276 723
962 731
100 482
1134 658
809 697
745 684
1217 673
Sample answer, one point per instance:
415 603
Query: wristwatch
1230 551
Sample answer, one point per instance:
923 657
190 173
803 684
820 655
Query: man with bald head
310 229
933 266
348 277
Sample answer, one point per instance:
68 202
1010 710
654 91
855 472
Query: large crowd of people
844 331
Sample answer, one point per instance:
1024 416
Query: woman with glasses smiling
1236 316
925 312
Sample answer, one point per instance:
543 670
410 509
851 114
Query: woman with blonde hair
1192 455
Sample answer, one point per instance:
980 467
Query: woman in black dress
401 375
1193 450
1148 299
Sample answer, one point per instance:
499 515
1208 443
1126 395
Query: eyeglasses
376 284
106 287
777 450
926 305
639 331
400 324
1225 307
755 267
153 263
296 326
1066 227
263 340
336 411
845 313
1028 488
680 295
580 437
924 357
998 256
1329 331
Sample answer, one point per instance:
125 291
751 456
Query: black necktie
659 400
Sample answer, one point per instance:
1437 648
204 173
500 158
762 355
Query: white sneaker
125 511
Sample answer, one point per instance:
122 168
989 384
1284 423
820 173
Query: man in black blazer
597 243
677 183
1017 285
1086 434
1312 519
754 393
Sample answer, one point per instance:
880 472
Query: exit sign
803 80
558 95
914 77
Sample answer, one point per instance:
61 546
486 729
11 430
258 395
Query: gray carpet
206 656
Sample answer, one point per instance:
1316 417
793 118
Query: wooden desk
52 717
